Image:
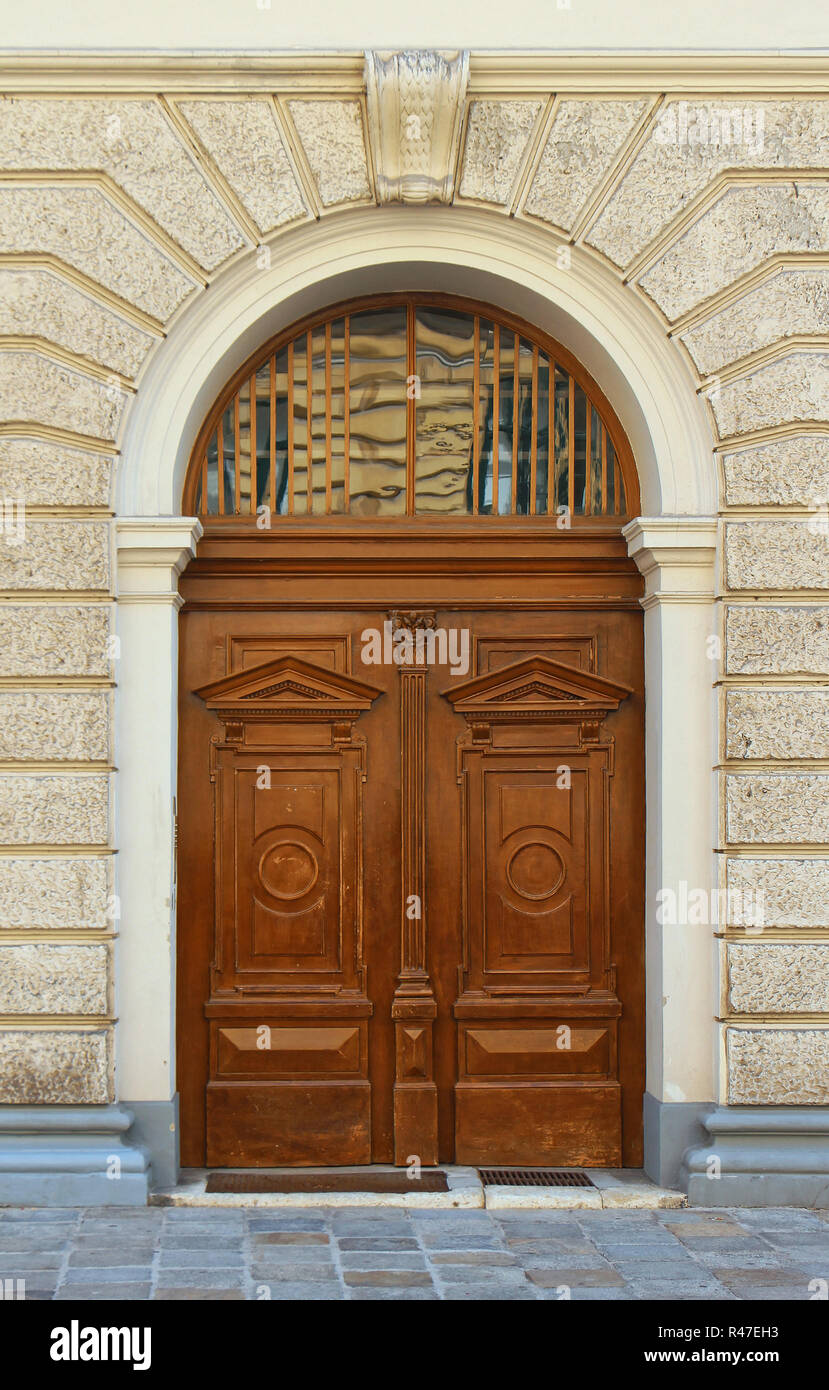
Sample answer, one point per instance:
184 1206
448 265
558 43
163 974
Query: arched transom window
411 405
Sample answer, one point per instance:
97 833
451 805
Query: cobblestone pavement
385 1253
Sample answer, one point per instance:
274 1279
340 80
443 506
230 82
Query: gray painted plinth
765 1157
155 1130
70 1156
670 1128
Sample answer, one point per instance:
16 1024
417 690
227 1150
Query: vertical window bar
496 413
272 435
552 499
476 411
291 428
516 428
203 490
534 433
588 457
411 408
309 413
254 462
346 413
571 446
328 418
236 473
604 470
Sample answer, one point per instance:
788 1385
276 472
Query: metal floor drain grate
534 1177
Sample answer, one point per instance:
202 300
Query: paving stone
382 1259
200 1278
277 1222
99 1259
188 1242
302 1293
119 1274
116 1292
378 1243
475 1274
290 1238
185 1295
489 1293
491 1258
289 1254
20 1261
310 1273
385 1295
200 1259
391 1278
437 1240
586 1278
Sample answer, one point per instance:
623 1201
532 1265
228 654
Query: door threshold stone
613 1189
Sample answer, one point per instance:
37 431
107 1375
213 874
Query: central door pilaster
414 1008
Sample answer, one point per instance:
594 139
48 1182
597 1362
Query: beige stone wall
117 208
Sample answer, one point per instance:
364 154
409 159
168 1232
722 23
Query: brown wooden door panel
318 1023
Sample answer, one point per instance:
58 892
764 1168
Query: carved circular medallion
535 870
288 870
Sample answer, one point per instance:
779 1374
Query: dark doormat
432 1180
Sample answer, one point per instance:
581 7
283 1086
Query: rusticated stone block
56 639
772 723
795 891
691 142
777 808
784 472
34 387
746 225
135 144
795 388
776 555
244 140
44 474
778 977
497 135
38 301
58 555
42 978
790 302
65 894
67 726
332 137
55 1066
791 641
85 229
585 138
71 809
778 1066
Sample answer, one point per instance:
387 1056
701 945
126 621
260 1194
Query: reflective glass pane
561 441
596 492
336 391
444 409
542 436
580 449
525 429
377 412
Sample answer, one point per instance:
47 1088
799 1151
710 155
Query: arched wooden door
411 781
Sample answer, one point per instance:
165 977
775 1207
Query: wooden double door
410 871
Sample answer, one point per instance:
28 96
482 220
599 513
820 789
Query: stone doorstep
614 1189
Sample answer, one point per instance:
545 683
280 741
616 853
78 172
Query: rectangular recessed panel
431 1181
534 1177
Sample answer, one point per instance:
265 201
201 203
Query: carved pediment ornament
287 688
415 110
536 688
